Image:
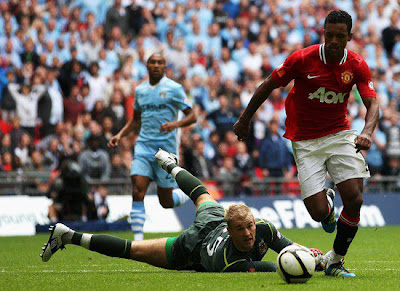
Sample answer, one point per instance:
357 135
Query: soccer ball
295 264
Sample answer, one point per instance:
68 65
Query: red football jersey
317 104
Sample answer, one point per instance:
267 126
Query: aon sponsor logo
327 97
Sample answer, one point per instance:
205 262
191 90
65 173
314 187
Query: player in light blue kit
157 104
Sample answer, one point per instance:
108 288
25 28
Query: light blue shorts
148 166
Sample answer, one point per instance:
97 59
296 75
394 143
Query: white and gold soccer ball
295 264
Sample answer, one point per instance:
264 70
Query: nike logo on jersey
312 77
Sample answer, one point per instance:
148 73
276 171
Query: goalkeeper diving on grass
217 241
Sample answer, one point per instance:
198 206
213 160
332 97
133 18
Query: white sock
85 240
330 202
175 171
335 257
179 197
138 236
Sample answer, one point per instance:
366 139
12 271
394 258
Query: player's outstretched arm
129 127
364 140
190 118
242 126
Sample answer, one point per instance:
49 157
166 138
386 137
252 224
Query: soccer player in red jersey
316 124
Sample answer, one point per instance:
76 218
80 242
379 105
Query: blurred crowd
68 70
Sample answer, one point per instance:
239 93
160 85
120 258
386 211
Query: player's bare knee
136 251
205 197
354 205
167 204
319 213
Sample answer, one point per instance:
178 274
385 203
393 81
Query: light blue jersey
158 104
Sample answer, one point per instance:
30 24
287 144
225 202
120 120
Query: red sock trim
349 220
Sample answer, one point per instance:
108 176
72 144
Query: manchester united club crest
347 77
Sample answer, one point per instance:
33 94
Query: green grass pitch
374 256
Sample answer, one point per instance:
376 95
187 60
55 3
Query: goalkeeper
217 241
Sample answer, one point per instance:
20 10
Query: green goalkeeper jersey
218 253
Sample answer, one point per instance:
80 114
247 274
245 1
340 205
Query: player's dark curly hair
339 16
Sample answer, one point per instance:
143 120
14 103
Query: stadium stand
68 70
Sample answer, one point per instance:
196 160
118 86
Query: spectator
36 164
223 118
275 158
116 110
69 194
95 129
214 49
29 55
229 69
116 16
118 170
101 203
52 154
7 160
389 34
16 132
73 107
243 160
375 155
72 72
7 102
135 17
57 104
201 166
91 48
108 126
228 177
27 99
393 136
98 113
120 81
94 161
6 145
23 150
253 61
178 56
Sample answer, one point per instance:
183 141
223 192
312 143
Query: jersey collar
323 58
162 80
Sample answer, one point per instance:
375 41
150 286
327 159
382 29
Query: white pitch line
374 269
390 262
75 271
49 266
139 271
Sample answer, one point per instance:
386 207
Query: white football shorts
334 154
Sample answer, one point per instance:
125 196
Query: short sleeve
136 105
286 72
274 239
179 99
364 81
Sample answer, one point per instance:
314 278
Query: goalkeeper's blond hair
237 211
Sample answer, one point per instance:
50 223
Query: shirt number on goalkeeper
212 249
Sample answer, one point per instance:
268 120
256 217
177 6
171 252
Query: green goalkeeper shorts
183 251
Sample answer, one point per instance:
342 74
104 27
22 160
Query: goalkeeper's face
243 232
